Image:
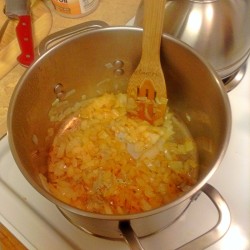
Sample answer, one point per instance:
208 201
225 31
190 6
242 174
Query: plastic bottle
75 8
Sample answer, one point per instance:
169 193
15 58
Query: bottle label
75 7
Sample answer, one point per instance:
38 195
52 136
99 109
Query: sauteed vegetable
103 161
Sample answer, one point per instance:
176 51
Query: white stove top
39 225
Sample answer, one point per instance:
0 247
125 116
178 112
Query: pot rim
192 194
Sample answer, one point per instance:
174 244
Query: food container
75 8
91 59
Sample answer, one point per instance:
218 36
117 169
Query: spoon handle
152 25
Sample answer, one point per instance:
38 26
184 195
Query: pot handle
221 227
201 242
55 38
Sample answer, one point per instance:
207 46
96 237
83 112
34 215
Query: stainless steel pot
217 29
86 62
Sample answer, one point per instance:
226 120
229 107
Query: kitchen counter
114 13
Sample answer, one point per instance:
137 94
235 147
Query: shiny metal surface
202 241
217 29
234 79
55 38
221 227
80 63
16 8
130 236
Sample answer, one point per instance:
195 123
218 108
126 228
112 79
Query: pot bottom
112 228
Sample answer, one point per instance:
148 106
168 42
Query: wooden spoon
147 87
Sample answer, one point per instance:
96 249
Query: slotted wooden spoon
147 85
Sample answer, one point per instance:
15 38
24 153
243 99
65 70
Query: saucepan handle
221 227
57 37
201 242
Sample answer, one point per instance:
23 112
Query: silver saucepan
84 60
216 29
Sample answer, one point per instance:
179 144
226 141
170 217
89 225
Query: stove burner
234 79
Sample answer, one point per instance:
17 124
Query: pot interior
103 60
